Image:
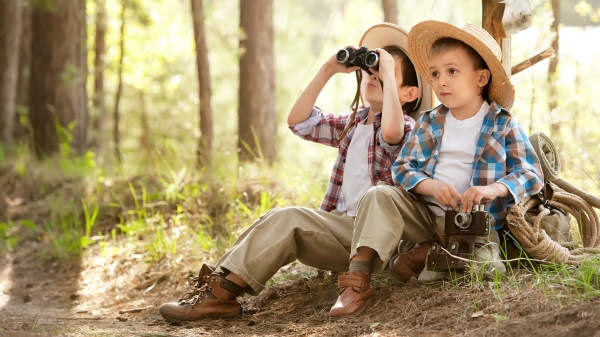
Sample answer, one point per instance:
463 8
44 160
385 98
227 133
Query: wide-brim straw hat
387 34
423 35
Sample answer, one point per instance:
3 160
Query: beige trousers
326 240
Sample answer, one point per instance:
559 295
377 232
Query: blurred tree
20 129
119 85
58 100
257 121
552 73
99 106
206 121
10 32
390 11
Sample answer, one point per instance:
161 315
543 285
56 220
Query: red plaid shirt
325 129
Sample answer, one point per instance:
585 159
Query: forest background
111 148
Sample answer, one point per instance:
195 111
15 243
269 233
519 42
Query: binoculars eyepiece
362 57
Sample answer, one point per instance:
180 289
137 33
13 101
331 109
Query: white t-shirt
454 165
356 180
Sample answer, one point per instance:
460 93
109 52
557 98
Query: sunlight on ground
6 283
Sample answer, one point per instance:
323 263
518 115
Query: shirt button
344 160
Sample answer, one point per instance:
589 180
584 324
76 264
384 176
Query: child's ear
484 78
409 94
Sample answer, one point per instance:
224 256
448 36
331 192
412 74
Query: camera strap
432 224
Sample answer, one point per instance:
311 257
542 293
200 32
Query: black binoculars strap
432 224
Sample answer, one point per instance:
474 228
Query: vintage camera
362 57
461 229
476 222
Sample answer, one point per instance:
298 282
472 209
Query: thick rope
539 245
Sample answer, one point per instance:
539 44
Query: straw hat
387 34
424 34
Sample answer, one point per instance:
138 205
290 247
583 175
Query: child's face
456 83
372 87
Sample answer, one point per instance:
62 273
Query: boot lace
197 290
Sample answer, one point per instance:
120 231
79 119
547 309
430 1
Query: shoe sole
174 319
359 312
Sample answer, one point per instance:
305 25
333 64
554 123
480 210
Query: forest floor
112 284
87 297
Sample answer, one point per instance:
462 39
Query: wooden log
532 60
517 16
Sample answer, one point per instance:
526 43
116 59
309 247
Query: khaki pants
326 240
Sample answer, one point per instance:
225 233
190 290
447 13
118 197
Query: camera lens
372 59
462 220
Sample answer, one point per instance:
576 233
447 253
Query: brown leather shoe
404 266
214 299
356 295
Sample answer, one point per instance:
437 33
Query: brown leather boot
355 297
214 299
404 266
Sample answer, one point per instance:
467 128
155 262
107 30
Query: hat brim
423 35
387 34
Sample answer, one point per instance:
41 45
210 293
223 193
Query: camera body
461 223
362 57
461 229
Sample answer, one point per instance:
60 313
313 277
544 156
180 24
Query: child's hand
387 65
475 195
447 195
334 67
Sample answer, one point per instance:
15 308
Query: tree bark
552 103
119 86
58 69
206 123
390 11
99 105
257 120
10 32
20 131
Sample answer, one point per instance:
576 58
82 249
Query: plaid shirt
504 155
325 129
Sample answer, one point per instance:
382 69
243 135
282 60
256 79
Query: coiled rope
538 244
576 202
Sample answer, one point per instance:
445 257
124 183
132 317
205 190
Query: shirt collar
441 110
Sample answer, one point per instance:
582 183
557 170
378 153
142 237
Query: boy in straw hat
337 237
467 151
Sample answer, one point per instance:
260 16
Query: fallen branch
531 61
134 310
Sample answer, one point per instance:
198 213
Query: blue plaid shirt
504 155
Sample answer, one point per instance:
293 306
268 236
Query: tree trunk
145 136
257 120
20 131
390 11
58 100
119 86
206 124
10 32
552 103
99 115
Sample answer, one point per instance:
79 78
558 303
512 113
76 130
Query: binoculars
462 229
362 57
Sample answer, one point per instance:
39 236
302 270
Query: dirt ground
85 297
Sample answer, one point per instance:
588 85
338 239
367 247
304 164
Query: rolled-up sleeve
321 128
307 126
406 169
394 149
524 175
